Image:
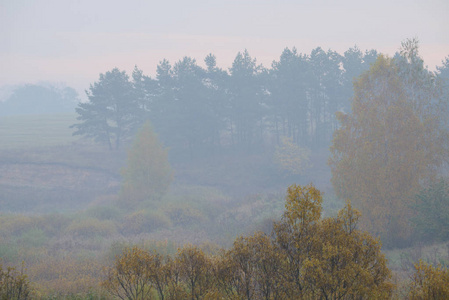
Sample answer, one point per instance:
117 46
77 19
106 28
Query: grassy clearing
36 130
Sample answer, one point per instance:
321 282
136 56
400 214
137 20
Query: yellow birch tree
390 145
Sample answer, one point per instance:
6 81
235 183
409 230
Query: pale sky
73 41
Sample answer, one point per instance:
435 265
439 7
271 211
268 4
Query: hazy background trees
200 110
40 98
110 116
388 116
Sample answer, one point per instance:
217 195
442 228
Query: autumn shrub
67 274
144 221
253 213
34 237
91 227
14 284
18 224
184 215
15 224
130 278
429 282
210 201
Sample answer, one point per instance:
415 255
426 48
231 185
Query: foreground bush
14 285
429 282
306 257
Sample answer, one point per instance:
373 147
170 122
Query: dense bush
144 221
429 282
91 227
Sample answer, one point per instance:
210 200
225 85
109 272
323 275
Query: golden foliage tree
130 278
429 282
390 144
195 271
346 262
327 258
293 235
147 175
250 269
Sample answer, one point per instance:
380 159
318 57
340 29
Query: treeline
246 107
32 99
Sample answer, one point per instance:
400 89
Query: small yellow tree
147 175
327 258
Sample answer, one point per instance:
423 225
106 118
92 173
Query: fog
73 43
172 124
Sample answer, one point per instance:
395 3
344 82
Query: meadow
36 130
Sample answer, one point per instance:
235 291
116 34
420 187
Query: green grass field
36 130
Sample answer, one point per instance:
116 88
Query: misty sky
72 41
